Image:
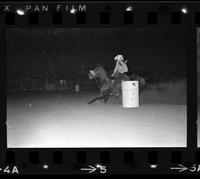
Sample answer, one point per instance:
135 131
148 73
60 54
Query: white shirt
120 67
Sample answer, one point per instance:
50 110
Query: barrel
130 94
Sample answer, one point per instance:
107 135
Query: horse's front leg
92 101
96 98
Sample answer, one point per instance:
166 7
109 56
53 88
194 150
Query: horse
105 84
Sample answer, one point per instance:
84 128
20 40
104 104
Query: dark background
152 52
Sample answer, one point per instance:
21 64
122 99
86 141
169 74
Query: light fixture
73 11
98 165
153 166
129 8
45 166
184 10
20 12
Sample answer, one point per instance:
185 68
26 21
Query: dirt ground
64 119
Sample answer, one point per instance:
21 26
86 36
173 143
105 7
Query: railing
48 84
57 82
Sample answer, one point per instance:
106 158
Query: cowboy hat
119 58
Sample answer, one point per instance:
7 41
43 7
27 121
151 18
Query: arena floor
64 119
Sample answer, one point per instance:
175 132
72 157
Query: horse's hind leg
141 89
106 99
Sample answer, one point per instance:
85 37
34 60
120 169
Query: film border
143 160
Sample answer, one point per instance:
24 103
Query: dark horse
105 84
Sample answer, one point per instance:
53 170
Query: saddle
112 78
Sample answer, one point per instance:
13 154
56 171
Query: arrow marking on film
181 168
91 169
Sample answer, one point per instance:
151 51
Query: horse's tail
142 81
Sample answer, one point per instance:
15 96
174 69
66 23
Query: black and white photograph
97 87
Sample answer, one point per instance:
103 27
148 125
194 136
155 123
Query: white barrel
130 94
77 87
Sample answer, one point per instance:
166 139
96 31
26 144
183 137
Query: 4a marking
9 170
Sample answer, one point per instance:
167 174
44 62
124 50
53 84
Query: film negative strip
100 87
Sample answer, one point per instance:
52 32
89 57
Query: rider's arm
125 68
115 70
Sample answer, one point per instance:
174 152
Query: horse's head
98 72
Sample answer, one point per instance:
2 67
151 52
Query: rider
120 70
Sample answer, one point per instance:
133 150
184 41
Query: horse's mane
106 73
